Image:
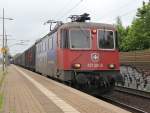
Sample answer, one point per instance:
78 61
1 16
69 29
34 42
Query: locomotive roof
80 25
87 25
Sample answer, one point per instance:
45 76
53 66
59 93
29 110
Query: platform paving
20 96
28 92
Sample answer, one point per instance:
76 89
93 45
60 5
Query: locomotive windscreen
106 39
80 39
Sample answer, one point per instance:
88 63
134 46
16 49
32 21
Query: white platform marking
65 107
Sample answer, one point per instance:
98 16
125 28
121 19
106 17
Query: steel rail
122 105
131 91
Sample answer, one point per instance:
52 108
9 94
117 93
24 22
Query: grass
12 110
1 101
2 77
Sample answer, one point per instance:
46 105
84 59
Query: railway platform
27 92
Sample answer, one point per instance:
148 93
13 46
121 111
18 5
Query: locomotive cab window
64 43
106 39
80 39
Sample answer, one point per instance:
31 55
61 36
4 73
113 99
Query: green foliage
120 30
137 36
2 77
1 101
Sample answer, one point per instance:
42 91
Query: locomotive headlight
111 66
77 66
94 31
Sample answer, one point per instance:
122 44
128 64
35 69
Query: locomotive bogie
94 82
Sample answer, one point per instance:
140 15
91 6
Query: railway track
135 92
122 105
133 100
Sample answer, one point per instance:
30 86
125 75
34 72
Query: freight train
83 54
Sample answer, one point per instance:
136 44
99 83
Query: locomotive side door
59 51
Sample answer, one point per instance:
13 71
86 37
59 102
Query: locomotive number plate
93 65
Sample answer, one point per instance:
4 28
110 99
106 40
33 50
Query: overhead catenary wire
65 14
111 11
125 14
62 8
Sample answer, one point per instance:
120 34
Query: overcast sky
29 16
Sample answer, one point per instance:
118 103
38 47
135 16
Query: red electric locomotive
87 55
83 54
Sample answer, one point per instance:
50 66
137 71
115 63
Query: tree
122 32
137 36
